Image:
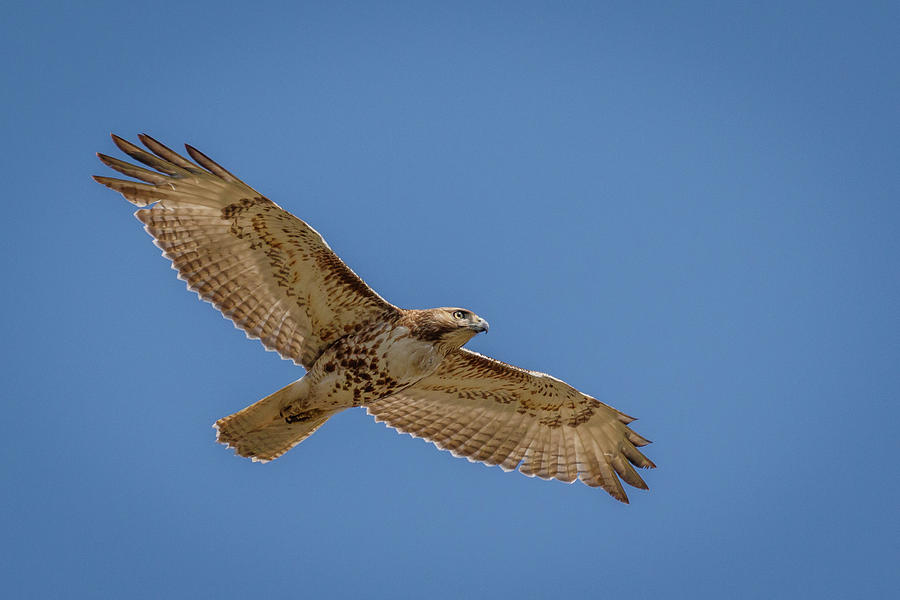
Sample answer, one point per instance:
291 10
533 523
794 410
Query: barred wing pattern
491 412
264 269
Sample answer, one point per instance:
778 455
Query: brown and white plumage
276 278
498 414
263 268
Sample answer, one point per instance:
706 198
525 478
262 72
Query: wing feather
570 462
160 164
211 165
168 155
504 440
491 412
264 269
478 444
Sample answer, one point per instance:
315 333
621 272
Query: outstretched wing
264 269
491 412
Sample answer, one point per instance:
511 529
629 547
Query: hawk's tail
262 432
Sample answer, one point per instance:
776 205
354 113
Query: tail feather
261 432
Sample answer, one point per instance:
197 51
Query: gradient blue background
690 212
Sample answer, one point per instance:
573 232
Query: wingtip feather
207 163
166 153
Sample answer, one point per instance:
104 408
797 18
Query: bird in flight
275 277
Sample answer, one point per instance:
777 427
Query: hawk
276 278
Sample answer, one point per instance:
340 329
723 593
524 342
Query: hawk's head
450 326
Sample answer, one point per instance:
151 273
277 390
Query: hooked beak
481 325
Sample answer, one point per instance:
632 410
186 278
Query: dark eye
460 314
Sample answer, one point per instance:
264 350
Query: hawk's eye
460 314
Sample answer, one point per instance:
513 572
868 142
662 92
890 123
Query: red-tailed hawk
276 278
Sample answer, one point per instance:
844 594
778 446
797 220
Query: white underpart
407 358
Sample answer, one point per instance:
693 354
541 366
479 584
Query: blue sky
689 211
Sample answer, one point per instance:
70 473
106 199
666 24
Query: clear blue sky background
688 210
